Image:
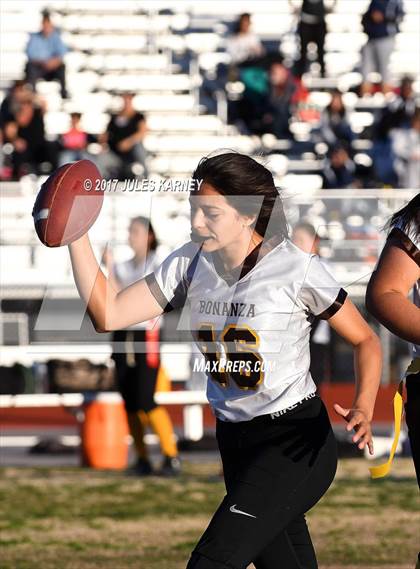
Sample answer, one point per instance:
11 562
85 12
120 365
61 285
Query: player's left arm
350 325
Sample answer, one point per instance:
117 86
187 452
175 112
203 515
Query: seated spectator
16 92
380 23
406 149
124 137
334 126
45 51
32 153
396 115
285 94
74 142
243 44
399 111
339 171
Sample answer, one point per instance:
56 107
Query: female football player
398 271
137 370
252 295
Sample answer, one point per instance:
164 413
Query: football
68 203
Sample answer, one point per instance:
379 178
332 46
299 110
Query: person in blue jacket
45 51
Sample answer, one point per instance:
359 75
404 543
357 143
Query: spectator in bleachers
312 28
243 45
32 153
340 170
8 106
286 92
73 143
45 51
380 22
124 138
406 149
334 126
396 115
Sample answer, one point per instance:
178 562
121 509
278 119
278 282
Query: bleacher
168 53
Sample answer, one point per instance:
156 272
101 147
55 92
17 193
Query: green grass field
69 518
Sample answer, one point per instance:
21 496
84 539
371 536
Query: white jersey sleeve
320 293
170 281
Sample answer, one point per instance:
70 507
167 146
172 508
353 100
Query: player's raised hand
357 420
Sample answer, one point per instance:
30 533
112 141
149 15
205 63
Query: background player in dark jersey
137 370
252 295
397 273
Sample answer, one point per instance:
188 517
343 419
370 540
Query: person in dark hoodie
380 22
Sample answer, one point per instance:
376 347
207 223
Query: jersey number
243 362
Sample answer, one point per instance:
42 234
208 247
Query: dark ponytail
406 216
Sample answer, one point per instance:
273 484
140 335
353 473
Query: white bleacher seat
354 41
198 144
271 26
12 65
14 42
359 121
74 61
116 22
209 7
18 229
107 42
95 123
46 258
403 63
81 82
181 123
210 61
139 83
20 21
47 88
173 165
164 103
203 42
338 22
56 123
277 164
339 63
175 43
89 102
153 62
319 98
99 7
15 261
302 183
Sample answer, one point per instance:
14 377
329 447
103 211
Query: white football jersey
252 324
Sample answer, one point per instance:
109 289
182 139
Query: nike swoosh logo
235 511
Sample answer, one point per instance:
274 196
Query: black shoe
171 466
141 468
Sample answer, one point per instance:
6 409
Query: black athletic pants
412 417
135 378
311 33
275 470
